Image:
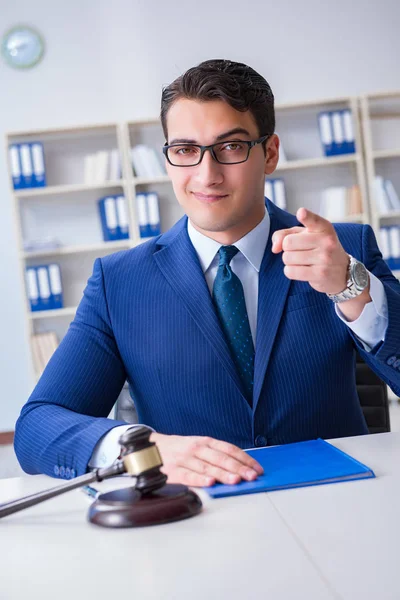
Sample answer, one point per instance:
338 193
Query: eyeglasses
231 152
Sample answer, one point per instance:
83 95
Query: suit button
56 470
62 471
260 441
391 360
396 364
72 473
67 472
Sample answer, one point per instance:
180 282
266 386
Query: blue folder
300 464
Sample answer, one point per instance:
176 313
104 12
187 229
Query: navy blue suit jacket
147 317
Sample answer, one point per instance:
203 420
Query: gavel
150 501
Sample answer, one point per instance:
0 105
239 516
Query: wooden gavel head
142 459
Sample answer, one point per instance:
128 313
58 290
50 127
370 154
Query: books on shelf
27 165
145 162
102 166
43 347
389 244
274 190
340 202
114 218
386 197
337 132
44 287
148 213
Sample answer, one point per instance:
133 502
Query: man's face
223 201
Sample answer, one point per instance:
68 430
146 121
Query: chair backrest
124 409
373 396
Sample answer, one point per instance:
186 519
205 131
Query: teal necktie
229 301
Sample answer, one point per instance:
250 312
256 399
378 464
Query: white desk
335 541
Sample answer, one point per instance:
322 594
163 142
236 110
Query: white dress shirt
370 327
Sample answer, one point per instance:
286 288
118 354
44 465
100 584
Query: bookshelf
52 211
307 172
67 207
381 133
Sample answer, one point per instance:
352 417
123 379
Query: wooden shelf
62 132
59 312
101 247
310 163
67 189
386 153
392 215
321 103
151 180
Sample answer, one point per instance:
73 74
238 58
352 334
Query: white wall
106 61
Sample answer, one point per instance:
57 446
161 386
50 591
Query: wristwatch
357 281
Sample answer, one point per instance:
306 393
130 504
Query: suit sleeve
66 414
384 358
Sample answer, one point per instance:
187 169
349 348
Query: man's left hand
313 253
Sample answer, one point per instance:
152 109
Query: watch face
22 47
360 276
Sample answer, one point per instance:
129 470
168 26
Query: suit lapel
180 266
272 292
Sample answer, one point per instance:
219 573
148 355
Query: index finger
237 453
313 222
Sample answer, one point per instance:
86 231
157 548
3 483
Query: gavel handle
98 475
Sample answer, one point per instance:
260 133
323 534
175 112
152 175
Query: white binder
153 212
348 130
39 173
325 131
15 166
143 219
110 210
55 285
115 168
55 279
32 288
122 215
26 165
338 132
44 287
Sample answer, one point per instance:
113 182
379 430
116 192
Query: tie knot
226 253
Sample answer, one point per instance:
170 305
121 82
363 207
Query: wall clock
22 47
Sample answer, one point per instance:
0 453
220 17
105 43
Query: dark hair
235 83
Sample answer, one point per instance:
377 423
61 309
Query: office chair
373 396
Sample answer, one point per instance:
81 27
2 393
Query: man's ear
272 154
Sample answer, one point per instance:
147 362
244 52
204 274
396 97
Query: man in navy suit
236 328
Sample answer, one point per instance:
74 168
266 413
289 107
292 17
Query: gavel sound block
151 501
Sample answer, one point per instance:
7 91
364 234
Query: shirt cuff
107 448
370 327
